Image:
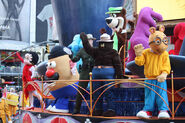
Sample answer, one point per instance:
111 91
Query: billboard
45 22
14 24
169 9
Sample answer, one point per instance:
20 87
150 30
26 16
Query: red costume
26 77
179 33
27 73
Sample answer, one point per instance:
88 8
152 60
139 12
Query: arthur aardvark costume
156 65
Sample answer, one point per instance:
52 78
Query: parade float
127 100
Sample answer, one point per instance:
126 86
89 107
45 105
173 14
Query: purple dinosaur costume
141 34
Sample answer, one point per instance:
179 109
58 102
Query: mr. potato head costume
156 65
60 67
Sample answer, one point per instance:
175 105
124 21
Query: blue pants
151 97
62 96
102 73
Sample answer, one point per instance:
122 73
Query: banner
14 24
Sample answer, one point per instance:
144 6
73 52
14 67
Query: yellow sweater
154 64
4 110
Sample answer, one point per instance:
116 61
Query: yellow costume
12 100
4 110
154 64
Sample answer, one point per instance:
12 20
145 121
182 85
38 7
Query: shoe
54 109
144 114
109 113
97 113
30 108
163 115
49 107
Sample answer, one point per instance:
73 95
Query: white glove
162 77
138 49
10 121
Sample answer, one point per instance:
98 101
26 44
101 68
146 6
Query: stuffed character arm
139 59
77 57
162 77
19 56
165 68
34 72
88 49
118 66
138 49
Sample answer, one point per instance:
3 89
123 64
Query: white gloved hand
138 49
10 121
162 77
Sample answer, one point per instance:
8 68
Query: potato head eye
48 65
53 64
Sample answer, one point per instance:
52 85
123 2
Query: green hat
114 10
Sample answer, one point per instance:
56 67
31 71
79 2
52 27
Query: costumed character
29 74
141 32
117 22
179 33
107 66
75 46
60 67
12 100
4 110
156 65
87 65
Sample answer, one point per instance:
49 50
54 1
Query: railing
112 83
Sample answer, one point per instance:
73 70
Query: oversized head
158 40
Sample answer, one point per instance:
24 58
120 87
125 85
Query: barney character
147 18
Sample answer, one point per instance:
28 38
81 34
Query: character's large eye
113 15
51 64
165 41
157 40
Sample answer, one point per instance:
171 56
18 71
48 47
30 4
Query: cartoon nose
108 21
50 72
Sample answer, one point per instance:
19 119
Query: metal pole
172 94
42 104
90 74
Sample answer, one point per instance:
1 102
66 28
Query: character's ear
152 30
123 12
161 28
102 30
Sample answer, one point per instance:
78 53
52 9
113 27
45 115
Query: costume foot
30 108
163 115
54 109
97 112
49 107
144 114
109 113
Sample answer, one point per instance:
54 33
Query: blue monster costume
75 46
